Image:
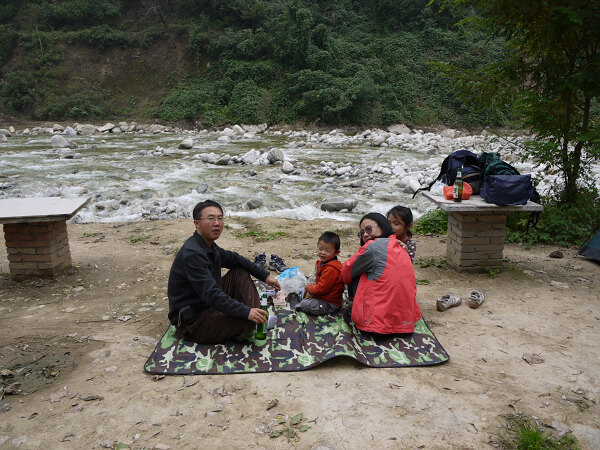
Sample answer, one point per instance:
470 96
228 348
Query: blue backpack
471 172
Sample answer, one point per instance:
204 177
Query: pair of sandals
447 301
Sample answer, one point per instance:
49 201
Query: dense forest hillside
340 62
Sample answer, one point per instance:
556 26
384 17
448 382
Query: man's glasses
220 219
368 230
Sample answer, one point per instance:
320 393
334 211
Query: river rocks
111 205
59 141
239 131
56 128
399 129
250 157
375 167
156 128
409 185
339 204
202 187
448 133
275 155
255 129
186 144
86 129
343 171
287 167
223 160
254 203
106 127
69 131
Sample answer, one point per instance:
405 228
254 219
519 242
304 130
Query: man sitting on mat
204 307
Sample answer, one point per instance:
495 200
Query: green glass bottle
261 328
458 187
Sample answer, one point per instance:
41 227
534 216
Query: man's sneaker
476 298
447 301
276 264
260 259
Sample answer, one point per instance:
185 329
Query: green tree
551 76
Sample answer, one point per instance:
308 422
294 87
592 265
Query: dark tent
591 249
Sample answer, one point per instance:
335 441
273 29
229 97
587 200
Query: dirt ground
77 345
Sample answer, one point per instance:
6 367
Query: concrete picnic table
35 232
476 231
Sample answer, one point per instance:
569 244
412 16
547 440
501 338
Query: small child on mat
327 290
401 219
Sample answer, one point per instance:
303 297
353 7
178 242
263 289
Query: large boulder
86 129
238 130
106 127
250 156
254 203
156 128
339 204
411 185
256 129
448 133
287 167
223 160
275 155
186 144
59 141
399 128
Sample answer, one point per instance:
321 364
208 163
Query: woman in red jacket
385 297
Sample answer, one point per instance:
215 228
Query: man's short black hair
330 237
205 204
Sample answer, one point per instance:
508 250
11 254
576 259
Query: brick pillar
37 249
475 241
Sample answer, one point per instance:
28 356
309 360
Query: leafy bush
17 90
559 224
334 62
245 103
72 106
8 8
78 13
8 37
102 37
188 100
435 222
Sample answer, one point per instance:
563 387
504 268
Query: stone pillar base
475 241
37 249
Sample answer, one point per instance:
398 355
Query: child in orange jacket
327 290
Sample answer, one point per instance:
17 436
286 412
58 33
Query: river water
143 176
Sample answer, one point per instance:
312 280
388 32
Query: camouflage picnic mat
298 342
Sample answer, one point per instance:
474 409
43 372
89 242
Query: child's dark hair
330 237
404 213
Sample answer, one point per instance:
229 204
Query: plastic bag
467 191
437 188
292 280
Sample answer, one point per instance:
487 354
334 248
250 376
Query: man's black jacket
195 279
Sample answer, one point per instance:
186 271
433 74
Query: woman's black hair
384 225
404 213
205 204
